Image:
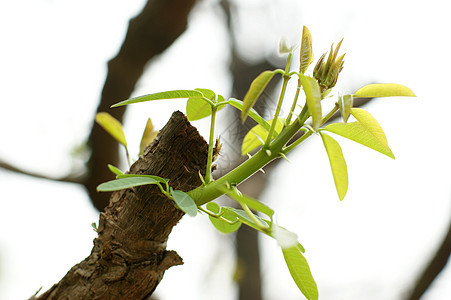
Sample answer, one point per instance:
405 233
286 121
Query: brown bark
129 256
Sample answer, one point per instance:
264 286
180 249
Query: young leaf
124 183
115 170
148 136
251 202
345 104
300 272
255 90
244 218
156 178
337 164
161 96
356 132
112 126
221 225
257 135
184 202
370 123
209 94
252 113
313 96
306 55
384 90
197 108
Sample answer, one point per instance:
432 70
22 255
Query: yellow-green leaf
306 55
220 224
115 170
148 135
313 96
370 123
252 112
249 201
197 108
384 90
337 164
356 132
209 94
300 272
161 96
255 90
345 104
112 126
257 136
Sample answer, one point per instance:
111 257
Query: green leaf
384 90
156 178
161 96
370 123
306 55
244 218
345 104
356 132
148 136
220 224
257 135
251 202
184 202
115 170
112 126
255 90
337 164
313 95
197 108
252 113
209 94
300 272
124 183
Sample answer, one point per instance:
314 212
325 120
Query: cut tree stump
129 256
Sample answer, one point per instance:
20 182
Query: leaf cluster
268 140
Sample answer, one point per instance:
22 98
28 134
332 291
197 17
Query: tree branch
72 178
129 256
435 266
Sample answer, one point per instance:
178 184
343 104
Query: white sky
370 246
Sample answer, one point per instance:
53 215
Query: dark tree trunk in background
129 256
158 25
433 268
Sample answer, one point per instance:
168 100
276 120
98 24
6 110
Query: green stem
253 217
127 154
218 216
286 77
293 106
297 142
210 191
210 144
330 114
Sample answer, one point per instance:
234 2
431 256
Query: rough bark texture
129 256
